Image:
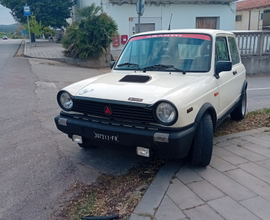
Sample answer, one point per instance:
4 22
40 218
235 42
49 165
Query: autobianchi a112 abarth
164 96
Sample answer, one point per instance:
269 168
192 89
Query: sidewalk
44 49
50 50
236 185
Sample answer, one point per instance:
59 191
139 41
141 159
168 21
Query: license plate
106 137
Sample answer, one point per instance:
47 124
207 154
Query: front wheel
202 146
240 111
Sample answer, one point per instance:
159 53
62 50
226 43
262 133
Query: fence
253 42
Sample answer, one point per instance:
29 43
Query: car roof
212 32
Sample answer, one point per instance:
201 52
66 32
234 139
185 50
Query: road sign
140 7
24 32
26 10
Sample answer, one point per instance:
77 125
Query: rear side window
234 51
222 53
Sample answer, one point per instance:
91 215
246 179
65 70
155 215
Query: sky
5 16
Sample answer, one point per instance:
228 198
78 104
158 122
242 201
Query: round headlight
166 113
66 101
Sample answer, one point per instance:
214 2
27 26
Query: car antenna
170 23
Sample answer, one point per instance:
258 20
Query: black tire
202 146
240 111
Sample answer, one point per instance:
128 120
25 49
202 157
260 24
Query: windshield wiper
162 67
129 64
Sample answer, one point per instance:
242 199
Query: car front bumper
163 143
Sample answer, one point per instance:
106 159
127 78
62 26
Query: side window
234 51
221 49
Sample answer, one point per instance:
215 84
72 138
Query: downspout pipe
249 20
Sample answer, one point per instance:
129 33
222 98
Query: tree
48 32
91 35
35 27
50 12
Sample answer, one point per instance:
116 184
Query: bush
91 35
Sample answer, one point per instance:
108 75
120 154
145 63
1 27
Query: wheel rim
244 104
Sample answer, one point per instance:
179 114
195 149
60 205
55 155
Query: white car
165 95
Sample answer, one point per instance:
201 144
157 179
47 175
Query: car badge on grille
108 111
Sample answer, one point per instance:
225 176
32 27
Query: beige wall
255 19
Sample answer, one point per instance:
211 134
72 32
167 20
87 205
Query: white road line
267 88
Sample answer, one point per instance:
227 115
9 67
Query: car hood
110 87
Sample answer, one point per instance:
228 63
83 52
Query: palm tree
91 34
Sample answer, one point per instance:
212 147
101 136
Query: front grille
120 112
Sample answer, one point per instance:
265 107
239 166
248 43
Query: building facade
214 14
253 15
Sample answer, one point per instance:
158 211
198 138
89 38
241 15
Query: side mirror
222 66
112 64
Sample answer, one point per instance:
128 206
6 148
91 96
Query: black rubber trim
207 107
135 79
122 123
178 146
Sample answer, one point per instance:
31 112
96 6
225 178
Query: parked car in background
165 95
5 37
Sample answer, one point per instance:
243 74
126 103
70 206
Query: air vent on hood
135 79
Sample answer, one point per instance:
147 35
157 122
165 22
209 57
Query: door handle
234 72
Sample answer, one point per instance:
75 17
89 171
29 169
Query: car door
238 68
226 83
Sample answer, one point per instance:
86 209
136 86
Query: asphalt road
258 92
37 162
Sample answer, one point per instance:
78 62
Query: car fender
207 108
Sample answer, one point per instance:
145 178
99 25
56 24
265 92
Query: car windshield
167 52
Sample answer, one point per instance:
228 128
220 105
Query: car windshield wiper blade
163 66
129 64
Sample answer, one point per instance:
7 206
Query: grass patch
253 120
111 195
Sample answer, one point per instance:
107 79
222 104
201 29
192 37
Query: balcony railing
253 42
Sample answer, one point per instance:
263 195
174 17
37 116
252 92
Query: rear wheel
202 146
240 111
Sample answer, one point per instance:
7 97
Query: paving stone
264 136
174 165
265 163
256 170
229 156
227 185
182 196
259 206
258 149
168 210
258 141
231 210
205 190
221 165
247 154
251 182
186 175
154 194
236 141
139 217
203 212
223 144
